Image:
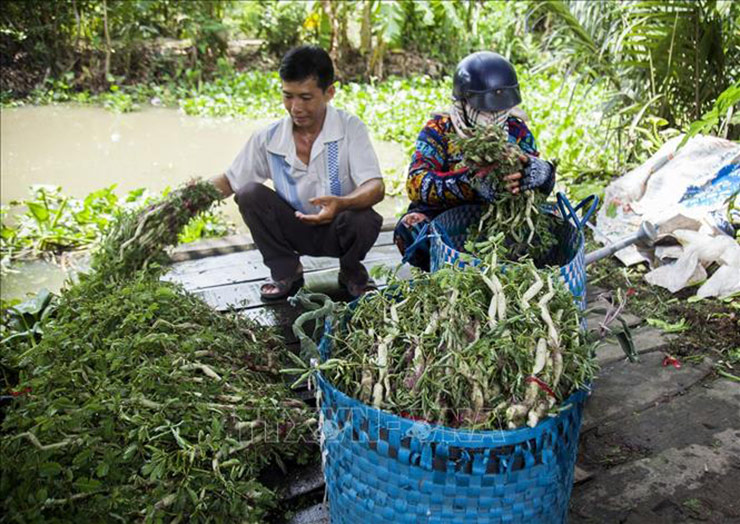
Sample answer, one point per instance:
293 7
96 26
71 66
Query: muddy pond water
83 149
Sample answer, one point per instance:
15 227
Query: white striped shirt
342 158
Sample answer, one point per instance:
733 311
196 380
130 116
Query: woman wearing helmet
485 92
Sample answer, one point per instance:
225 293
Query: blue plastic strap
567 210
419 241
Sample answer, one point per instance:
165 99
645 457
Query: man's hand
222 184
330 208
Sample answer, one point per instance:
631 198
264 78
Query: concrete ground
660 444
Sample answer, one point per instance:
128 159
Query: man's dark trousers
282 238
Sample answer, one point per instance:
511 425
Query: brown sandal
356 289
283 288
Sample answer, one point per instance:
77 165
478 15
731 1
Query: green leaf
36 305
39 212
611 211
135 194
391 13
87 485
193 495
667 327
50 469
82 457
130 451
6 232
42 494
102 469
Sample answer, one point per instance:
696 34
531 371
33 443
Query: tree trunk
376 63
328 7
330 10
697 77
366 29
343 38
78 26
107 40
473 11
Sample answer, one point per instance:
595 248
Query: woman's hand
514 180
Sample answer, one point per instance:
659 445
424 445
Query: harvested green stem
137 239
527 231
466 349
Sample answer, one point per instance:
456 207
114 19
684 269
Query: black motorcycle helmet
486 81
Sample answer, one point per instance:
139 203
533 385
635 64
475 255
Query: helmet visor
494 99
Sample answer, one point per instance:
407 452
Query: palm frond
676 54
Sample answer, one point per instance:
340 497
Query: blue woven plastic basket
449 232
382 468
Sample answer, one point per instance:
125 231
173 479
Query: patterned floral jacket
437 179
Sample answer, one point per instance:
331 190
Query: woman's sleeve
538 174
428 182
520 135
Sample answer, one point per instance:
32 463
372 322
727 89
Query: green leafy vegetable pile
491 349
135 401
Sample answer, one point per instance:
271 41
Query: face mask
465 118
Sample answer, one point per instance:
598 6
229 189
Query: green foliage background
604 83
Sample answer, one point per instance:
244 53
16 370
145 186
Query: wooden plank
251 255
245 269
214 263
246 295
385 238
211 247
302 482
279 314
318 514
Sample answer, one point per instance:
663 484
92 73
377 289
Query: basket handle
321 309
567 210
421 238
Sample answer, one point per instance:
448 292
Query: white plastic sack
684 193
686 271
698 251
654 190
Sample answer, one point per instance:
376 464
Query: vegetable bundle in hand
477 349
138 238
527 230
488 150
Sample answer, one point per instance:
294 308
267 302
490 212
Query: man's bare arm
366 195
222 184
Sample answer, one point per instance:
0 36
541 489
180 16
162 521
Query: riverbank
83 149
